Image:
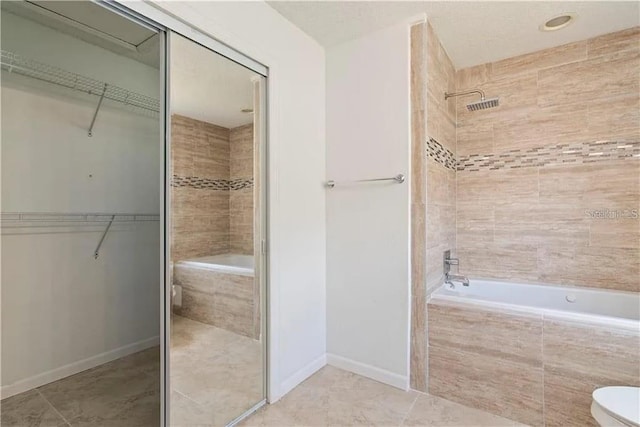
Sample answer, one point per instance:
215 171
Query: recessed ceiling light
558 22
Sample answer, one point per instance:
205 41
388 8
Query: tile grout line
409 410
53 407
188 398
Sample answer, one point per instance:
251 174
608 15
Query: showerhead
483 104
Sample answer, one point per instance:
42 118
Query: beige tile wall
440 180
207 221
200 220
433 196
499 362
223 300
489 360
530 223
579 358
418 362
241 201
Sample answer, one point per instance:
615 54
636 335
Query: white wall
296 138
62 310
368 280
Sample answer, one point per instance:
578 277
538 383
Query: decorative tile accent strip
576 153
440 154
211 184
240 183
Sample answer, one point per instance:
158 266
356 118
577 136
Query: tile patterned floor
216 375
333 397
125 392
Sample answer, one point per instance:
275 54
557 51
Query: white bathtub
241 265
584 304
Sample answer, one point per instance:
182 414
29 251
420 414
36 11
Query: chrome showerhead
483 104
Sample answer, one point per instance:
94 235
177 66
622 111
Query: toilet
616 406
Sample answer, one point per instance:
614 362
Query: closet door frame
148 15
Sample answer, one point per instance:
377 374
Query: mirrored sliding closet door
217 334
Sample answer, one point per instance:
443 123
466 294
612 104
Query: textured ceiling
472 32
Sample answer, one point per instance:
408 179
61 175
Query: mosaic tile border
440 154
559 154
211 184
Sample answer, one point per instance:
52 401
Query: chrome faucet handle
448 261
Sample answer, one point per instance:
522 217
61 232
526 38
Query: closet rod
13 63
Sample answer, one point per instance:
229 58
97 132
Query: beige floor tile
123 392
217 372
434 411
333 397
373 404
29 409
187 413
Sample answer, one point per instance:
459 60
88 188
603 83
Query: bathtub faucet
449 278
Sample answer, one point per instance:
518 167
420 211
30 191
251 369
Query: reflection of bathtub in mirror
226 263
219 290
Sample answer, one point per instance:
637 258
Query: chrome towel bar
400 178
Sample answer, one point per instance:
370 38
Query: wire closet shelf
17 218
14 63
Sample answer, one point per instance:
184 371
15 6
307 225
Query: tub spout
449 278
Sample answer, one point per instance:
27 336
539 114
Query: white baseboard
302 374
377 374
75 367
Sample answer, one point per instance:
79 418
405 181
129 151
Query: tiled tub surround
241 201
219 295
519 196
433 189
418 351
537 365
564 142
440 175
211 188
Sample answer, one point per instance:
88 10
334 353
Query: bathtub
615 308
241 265
218 290
531 353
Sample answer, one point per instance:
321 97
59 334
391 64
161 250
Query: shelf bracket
96 254
95 115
